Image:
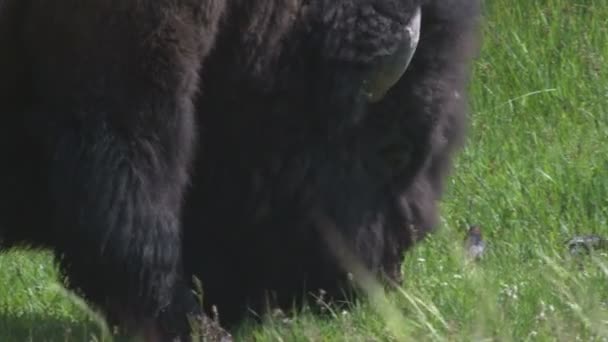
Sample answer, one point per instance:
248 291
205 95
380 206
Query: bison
269 148
327 130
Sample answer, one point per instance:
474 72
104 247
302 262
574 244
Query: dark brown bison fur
106 103
97 136
296 168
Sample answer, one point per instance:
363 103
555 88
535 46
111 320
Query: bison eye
391 68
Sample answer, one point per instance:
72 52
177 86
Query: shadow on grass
33 327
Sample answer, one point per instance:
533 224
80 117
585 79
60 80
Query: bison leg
112 88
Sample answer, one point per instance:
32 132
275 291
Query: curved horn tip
393 67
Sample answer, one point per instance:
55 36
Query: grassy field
534 173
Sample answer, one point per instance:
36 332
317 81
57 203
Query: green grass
534 173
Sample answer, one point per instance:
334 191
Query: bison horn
392 67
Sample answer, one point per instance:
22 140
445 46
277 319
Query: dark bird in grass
584 244
474 244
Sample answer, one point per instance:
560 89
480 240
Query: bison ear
389 69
